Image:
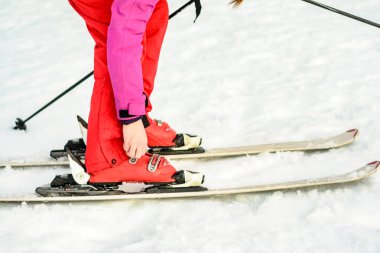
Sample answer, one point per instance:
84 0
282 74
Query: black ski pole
366 21
20 124
198 8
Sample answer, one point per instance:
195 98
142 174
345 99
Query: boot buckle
153 162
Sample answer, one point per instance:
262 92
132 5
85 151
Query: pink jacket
124 49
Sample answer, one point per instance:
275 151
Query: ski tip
354 132
375 164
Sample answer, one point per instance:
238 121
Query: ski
331 142
109 194
320 144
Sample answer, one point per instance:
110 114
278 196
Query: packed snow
270 71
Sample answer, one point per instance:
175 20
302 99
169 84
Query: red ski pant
104 137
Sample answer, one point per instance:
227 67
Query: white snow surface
270 71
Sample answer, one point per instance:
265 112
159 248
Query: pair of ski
150 193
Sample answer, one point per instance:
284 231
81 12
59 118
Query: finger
144 150
139 152
126 147
132 151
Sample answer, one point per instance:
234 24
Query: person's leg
154 36
106 160
104 137
159 134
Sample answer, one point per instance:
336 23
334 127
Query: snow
269 71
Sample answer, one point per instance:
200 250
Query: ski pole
198 8
20 124
366 21
236 3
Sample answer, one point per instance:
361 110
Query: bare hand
135 139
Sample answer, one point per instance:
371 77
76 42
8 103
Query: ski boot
152 170
163 140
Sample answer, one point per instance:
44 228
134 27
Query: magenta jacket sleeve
124 49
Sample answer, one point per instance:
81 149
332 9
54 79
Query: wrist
131 120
